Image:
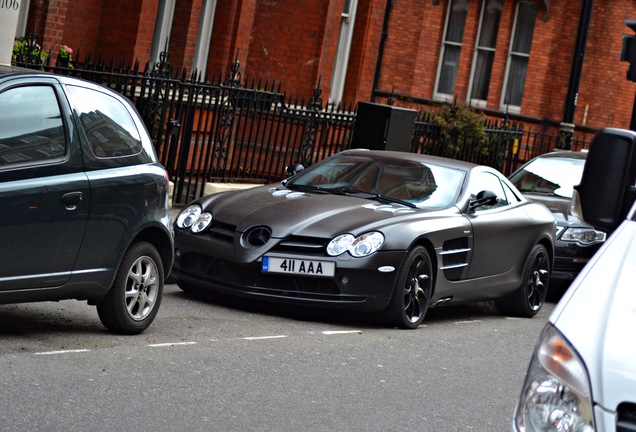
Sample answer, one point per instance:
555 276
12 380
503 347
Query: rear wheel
413 290
134 299
529 297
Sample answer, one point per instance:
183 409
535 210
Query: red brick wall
287 42
294 42
231 35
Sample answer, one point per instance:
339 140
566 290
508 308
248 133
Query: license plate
298 266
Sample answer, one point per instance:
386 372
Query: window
451 48
519 54
110 129
341 62
31 128
487 181
484 52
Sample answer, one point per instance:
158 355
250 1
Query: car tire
412 292
528 299
135 296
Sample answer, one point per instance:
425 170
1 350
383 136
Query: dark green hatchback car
83 200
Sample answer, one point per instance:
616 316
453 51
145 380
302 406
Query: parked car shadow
336 316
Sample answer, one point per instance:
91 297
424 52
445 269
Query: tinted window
550 176
31 128
425 185
486 181
110 129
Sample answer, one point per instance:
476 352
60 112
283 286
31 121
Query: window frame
481 103
437 95
343 50
513 55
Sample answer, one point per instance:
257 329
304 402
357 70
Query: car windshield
550 176
385 179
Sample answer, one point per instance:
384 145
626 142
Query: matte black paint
497 244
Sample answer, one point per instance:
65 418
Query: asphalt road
220 365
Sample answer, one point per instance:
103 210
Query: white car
582 375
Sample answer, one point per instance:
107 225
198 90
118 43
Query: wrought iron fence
228 129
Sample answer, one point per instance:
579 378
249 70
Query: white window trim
477 103
502 105
163 27
341 62
443 97
204 36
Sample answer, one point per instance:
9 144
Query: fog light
344 280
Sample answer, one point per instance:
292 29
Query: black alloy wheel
413 290
528 299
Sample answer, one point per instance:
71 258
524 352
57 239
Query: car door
43 190
500 231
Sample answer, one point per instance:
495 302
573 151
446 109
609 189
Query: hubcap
415 291
537 281
142 288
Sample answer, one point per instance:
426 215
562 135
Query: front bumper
357 283
571 258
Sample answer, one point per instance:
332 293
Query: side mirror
607 192
485 197
294 169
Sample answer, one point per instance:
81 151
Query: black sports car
550 180
373 230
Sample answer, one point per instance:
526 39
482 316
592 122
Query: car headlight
359 247
202 223
556 395
188 215
583 235
193 217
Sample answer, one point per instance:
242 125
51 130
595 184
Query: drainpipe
566 130
378 65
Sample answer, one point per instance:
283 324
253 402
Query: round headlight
202 223
366 244
188 216
340 244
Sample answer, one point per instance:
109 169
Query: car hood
310 214
598 316
560 208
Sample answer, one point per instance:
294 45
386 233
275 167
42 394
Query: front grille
302 245
222 231
626 421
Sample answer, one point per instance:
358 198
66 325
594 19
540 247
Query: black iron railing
233 130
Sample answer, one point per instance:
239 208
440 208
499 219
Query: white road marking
171 344
265 337
62 352
339 332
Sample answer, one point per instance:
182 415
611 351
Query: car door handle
72 199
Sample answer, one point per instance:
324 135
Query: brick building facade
511 56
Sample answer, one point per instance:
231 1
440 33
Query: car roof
451 163
15 70
567 154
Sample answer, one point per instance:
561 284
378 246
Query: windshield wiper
390 199
378 197
307 188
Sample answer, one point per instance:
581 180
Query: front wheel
529 297
134 299
412 292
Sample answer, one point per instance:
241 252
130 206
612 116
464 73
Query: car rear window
110 129
31 128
